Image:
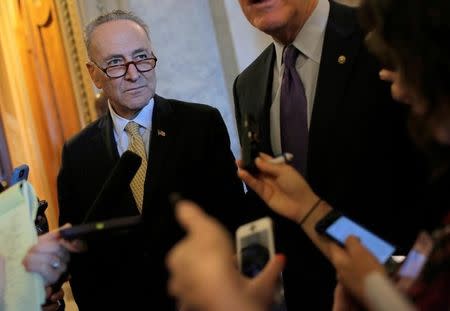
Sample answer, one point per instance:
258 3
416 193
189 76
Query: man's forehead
118 31
119 37
119 25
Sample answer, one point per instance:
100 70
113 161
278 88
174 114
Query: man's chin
269 24
137 101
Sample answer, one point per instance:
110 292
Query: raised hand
281 187
203 271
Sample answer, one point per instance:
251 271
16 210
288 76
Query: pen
284 158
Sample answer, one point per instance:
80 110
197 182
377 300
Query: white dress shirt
144 119
309 42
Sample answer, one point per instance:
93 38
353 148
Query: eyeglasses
117 71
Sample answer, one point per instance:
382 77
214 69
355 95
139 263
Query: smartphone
250 144
19 173
40 222
255 246
338 228
411 268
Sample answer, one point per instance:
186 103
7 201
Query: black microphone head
116 184
129 162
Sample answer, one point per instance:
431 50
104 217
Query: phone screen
254 253
343 227
417 256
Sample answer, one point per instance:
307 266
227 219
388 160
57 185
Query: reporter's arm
377 285
50 255
286 192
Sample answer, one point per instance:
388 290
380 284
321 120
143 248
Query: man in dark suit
354 151
186 150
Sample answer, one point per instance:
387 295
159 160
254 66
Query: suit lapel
342 44
162 137
106 157
260 102
106 139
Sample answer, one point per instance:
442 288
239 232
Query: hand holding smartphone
255 246
338 228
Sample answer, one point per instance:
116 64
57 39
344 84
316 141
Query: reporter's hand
262 287
281 187
53 299
399 90
203 272
343 301
50 255
353 264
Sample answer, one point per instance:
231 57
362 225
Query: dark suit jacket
193 158
359 157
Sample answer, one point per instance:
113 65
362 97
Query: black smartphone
40 222
250 144
121 224
19 173
43 204
339 227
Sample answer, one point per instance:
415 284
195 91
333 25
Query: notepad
23 291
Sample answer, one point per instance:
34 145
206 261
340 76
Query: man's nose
132 73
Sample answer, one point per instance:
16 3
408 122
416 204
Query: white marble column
189 63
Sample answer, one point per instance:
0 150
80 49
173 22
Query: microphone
117 181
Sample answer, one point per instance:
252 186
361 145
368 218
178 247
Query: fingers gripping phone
255 246
338 228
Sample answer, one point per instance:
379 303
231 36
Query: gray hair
111 16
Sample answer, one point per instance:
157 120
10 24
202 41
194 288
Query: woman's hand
399 90
353 264
281 187
50 255
203 270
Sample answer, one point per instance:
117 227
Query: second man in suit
184 148
315 92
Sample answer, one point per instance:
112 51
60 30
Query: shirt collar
309 39
143 118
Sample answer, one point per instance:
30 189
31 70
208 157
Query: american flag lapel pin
161 133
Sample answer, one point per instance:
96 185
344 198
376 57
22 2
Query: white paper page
2 282
24 291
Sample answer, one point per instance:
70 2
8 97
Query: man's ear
93 72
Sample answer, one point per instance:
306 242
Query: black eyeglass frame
126 65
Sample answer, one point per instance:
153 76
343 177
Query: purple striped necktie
293 112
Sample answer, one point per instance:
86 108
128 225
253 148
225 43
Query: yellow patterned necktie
136 145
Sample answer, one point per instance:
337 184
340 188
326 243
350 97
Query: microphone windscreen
116 184
127 166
